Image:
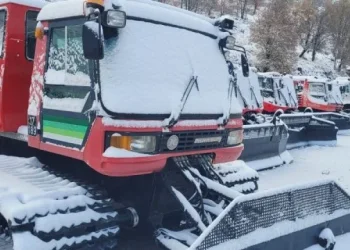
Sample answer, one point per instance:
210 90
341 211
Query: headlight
140 144
235 137
115 19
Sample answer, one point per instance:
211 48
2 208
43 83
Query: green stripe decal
70 133
66 120
65 126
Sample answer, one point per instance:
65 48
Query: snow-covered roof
310 79
269 74
134 8
342 81
32 3
62 9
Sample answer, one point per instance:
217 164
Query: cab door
67 88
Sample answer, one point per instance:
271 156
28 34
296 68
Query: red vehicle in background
278 92
312 93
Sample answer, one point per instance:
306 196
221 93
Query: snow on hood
147 68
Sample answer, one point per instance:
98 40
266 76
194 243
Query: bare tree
275 35
242 7
320 32
305 19
256 5
339 30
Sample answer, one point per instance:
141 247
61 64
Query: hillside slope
322 66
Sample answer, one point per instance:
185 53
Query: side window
30 34
67 64
2 31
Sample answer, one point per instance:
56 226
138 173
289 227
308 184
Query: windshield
345 89
317 89
147 67
266 87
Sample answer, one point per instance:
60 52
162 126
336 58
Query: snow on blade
281 228
239 168
275 231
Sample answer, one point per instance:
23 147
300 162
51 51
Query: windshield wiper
223 120
175 113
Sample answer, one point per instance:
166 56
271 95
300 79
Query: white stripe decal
63 138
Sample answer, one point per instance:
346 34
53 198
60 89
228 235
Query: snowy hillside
322 66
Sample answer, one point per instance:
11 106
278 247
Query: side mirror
92 41
330 87
245 66
228 42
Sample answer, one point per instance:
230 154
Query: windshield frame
160 116
324 88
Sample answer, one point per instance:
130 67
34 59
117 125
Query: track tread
47 216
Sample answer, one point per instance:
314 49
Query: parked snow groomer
304 129
315 95
344 86
265 137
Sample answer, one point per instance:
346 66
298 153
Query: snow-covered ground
310 164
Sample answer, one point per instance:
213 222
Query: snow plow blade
265 146
306 130
287 218
342 121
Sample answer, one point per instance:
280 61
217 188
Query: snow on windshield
147 68
317 89
249 87
288 91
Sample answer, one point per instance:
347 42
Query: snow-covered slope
322 66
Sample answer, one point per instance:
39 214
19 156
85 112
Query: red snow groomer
279 96
131 109
320 96
278 92
265 138
312 93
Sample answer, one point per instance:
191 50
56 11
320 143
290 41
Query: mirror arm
241 49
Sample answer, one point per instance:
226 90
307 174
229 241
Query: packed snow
312 163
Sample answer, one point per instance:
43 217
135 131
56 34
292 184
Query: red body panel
305 101
92 152
272 108
15 71
255 111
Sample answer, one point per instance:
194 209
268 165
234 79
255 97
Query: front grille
187 140
300 100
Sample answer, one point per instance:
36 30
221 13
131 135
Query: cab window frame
2 54
26 49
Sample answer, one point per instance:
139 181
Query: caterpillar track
48 211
